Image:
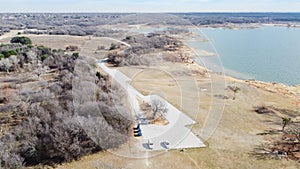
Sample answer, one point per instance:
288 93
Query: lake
269 53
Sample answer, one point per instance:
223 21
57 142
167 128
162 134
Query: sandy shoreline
196 55
193 53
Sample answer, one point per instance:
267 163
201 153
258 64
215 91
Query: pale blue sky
149 6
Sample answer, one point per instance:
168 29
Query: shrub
44 50
128 37
30 45
98 74
1 56
22 40
72 48
8 53
75 55
44 57
113 46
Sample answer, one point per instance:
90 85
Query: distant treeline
86 23
239 18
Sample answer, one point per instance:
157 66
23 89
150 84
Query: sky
149 6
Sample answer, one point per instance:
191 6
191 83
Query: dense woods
53 107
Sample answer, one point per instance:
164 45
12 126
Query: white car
165 144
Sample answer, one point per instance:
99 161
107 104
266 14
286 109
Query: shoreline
193 54
273 87
242 78
214 67
292 90
190 50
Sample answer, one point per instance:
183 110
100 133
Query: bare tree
159 108
287 146
235 90
50 128
295 131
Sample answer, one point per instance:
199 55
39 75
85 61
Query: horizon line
149 12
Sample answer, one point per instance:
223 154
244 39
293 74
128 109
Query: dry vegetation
82 24
142 50
47 115
239 131
238 135
251 122
155 112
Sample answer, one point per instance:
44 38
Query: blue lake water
270 54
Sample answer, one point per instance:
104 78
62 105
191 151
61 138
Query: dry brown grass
87 45
237 133
233 140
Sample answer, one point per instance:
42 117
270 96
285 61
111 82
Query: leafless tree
286 146
235 90
53 129
159 108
